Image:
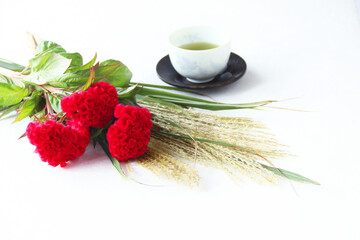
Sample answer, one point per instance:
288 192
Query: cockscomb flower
129 136
93 107
57 143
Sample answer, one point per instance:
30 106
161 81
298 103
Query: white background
308 50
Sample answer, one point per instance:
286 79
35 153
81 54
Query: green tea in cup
199 53
199 46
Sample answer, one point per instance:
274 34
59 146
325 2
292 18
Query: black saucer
235 70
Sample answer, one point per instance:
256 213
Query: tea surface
198 46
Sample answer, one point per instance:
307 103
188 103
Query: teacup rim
227 42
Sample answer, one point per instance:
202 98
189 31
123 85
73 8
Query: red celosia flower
129 136
56 143
94 107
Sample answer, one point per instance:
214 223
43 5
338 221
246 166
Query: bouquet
72 104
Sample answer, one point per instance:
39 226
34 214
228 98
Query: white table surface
307 49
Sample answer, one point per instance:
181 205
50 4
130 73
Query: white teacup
200 66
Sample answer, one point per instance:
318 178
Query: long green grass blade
290 175
188 101
172 123
161 94
11 65
214 106
168 88
116 164
105 146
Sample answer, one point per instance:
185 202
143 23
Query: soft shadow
91 156
249 81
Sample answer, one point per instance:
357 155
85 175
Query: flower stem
49 109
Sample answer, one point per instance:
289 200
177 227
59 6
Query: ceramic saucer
235 70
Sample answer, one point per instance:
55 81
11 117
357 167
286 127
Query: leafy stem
49 109
48 88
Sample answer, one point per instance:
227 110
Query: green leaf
72 79
49 47
10 65
112 73
3 108
29 106
46 68
120 76
290 175
11 92
76 59
83 67
89 82
55 102
55 98
126 92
